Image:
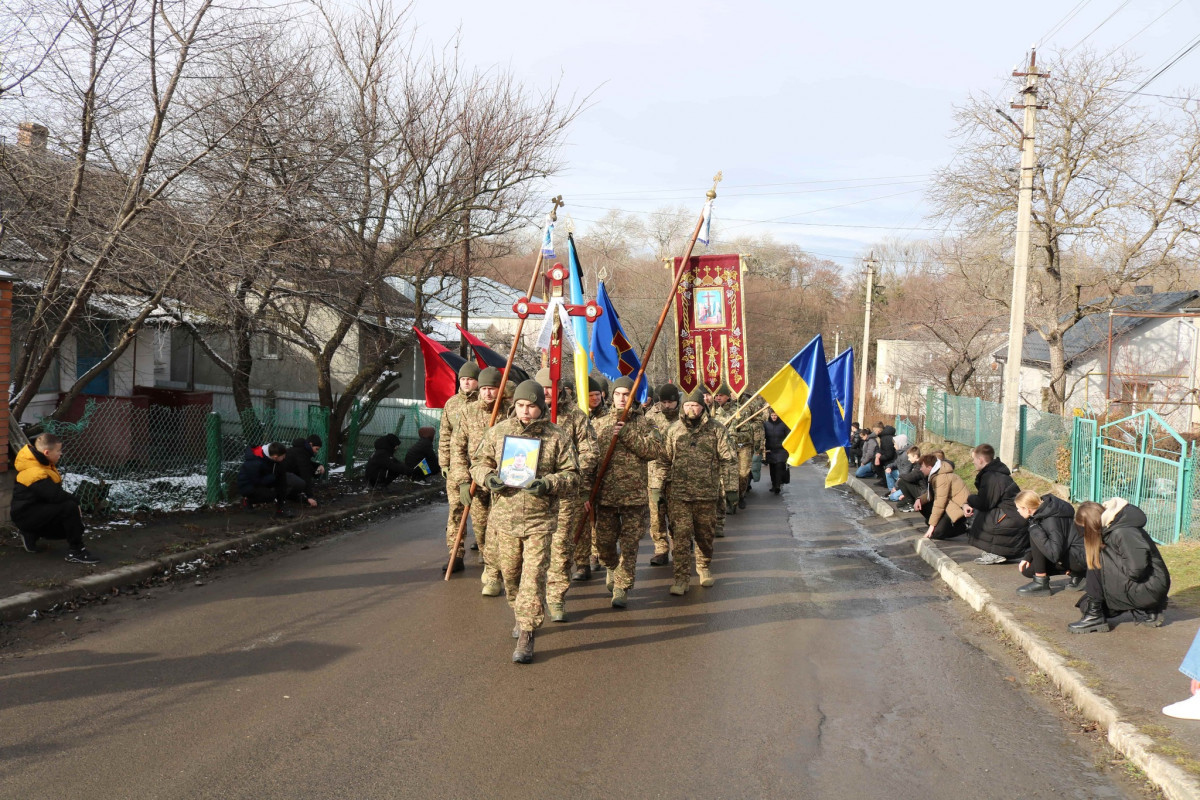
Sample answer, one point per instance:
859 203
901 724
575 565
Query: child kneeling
41 508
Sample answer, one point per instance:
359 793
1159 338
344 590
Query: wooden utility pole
1011 396
464 347
866 351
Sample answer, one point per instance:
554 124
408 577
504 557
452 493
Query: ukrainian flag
582 366
800 394
841 384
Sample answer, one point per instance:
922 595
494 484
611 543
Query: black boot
458 566
1093 618
584 573
659 560
1039 585
524 652
1076 584
1151 619
741 502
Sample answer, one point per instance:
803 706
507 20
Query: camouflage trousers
660 528
456 512
524 561
692 522
583 548
562 548
480 511
719 529
621 526
745 456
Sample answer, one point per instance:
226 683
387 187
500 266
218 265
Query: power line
1045 37
751 186
773 194
1143 30
1170 63
1098 27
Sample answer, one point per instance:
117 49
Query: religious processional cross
556 312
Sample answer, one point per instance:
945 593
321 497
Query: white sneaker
1184 709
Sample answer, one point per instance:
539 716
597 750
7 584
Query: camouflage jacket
626 480
661 419
578 427
740 437
701 460
518 512
450 414
468 436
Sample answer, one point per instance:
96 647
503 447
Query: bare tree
1113 199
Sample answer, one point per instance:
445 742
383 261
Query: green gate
1083 445
1142 459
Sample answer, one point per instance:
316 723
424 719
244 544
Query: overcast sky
833 104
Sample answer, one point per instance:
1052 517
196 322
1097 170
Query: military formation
677 468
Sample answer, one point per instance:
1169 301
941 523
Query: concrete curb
23 604
1124 737
877 503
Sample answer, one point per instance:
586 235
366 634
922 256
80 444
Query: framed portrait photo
709 308
519 460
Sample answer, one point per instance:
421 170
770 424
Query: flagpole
711 194
555 202
747 419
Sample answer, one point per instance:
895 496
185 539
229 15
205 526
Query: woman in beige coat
942 504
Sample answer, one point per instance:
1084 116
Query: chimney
31 136
1143 289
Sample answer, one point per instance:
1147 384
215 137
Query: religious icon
519 460
710 308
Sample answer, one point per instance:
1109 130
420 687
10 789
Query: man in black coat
382 467
886 452
997 527
299 461
776 431
424 451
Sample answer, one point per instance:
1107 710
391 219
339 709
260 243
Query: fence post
1183 494
213 450
318 423
351 445
978 421
945 434
1094 489
1023 420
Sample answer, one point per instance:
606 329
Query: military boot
583 573
594 564
619 597
608 579
660 560
706 576
523 654
491 587
679 588
558 612
517 631
458 566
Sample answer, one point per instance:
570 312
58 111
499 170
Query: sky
827 119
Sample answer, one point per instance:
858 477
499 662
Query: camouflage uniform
450 414
522 523
759 446
578 428
622 511
469 434
661 418
742 439
585 549
701 460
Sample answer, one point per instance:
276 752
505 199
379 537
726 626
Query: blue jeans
865 471
892 476
1191 662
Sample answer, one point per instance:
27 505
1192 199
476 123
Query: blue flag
611 352
800 395
841 383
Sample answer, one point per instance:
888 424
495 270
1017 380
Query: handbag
787 474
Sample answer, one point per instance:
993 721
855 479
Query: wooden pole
612 444
556 202
752 416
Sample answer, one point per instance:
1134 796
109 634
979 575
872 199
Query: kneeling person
523 520
41 508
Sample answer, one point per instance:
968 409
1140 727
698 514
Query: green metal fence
904 426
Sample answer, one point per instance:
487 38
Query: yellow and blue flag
612 353
583 365
841 385
800 394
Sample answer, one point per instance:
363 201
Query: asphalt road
820 666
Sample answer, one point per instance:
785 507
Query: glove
538 487
731 498
464 493
493 483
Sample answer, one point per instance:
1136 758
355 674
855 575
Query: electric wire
1093 30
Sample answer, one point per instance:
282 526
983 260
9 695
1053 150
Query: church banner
710 324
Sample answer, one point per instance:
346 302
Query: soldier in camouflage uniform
701 460
742 438
664 412
523 520
585 553
758 447
623 513
578 428
468 392
468 436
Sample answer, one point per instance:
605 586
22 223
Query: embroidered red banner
710 324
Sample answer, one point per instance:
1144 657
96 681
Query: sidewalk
133 549
1121 679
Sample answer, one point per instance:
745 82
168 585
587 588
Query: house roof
13 249
1091 333
488 299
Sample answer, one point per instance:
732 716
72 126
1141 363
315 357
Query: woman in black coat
1125 570
776 431
1055 543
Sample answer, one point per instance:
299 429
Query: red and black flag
487 357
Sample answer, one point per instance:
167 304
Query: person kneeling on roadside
299 461
41 508
1055 543
383 467
423 453
942 503
1125 571
996 527
263 478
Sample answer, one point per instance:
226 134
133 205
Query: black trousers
54 521
777 472
288 485
1040 565
945 528
383 478
911 491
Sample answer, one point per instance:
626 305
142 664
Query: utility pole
465 298
866 348
1011 397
